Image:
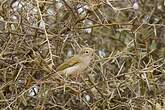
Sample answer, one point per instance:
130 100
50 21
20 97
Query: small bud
69 52
17 5
33 90
135 6
102 53
42 24
88 23
87 98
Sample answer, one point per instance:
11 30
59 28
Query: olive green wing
69 63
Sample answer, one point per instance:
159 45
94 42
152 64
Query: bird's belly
74 70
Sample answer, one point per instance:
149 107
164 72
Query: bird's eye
86 52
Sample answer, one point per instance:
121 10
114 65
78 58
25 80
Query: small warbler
76 64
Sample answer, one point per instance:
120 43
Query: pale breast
75 69
78 68
86 60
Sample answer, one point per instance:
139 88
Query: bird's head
87 52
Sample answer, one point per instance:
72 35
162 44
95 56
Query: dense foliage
128 72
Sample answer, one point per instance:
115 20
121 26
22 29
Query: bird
77 64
